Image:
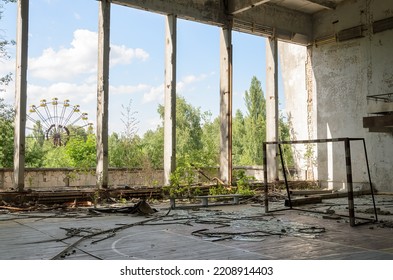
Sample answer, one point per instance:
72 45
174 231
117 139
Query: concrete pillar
272 113
170 98
103 93
226 105
21 93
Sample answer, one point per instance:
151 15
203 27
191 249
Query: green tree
188 129
238 138
38 133
285 135
250 131
211 140
115 152
6 134
126 149
124 152
6 111
153 147
56 156
35 153
82 153
197 137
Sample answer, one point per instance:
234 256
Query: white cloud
123 55
151 124
188 80
154 94
76 93
79 59
84 94
7 66
128 89
66 63
7 91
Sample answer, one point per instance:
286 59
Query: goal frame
348 161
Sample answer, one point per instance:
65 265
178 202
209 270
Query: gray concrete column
226 105
103 93
272 113
170 98
21 93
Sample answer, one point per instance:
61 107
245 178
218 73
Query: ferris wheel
55 119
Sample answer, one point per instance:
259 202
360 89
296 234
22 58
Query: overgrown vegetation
6 134
197 142
197 138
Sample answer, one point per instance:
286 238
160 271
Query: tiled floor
224 232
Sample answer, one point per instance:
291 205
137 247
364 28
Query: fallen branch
207 177
17 209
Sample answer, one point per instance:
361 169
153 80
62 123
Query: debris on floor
241 226
142 208
379 211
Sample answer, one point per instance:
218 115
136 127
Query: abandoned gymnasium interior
335 202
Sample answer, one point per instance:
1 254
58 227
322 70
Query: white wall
299 103
343 75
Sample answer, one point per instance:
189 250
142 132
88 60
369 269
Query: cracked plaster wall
342 75
57 178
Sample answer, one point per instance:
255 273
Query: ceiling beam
324 3
205 11
237 7
283 23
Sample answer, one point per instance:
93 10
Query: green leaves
197 138
82 152
249 131
6 134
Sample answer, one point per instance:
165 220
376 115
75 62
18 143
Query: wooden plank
344 194
218 196
378 121
79 195
303 201
381 129
309 192
318 198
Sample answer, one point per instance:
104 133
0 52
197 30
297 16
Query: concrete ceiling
288 20
304 6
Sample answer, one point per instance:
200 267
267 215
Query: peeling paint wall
343 75
296 71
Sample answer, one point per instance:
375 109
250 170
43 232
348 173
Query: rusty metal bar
348 163
265 177
312 141
348 172
369 179
285 176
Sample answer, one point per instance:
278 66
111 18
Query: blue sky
63 56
